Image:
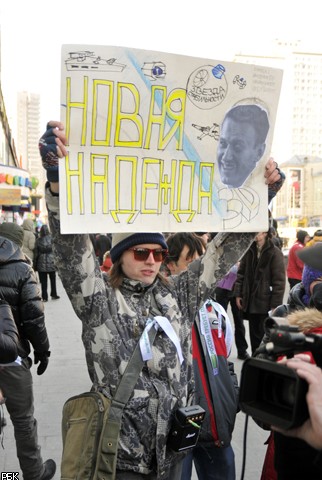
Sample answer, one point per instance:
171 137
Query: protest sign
164 142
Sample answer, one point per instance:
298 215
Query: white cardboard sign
164 142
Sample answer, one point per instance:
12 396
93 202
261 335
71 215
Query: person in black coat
9 338
44 264
102 245
260 284
20 289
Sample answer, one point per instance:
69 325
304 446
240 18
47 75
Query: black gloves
41 357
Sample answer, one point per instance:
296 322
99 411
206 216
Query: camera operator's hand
311 430
52 147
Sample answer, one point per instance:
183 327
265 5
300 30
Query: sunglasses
142 254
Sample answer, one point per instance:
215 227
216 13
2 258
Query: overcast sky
32 32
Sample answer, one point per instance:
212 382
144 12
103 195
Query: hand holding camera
270 391
311 430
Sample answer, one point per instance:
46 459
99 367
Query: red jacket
295 265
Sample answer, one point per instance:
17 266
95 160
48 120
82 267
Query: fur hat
13 232
311 256
306 320
124 241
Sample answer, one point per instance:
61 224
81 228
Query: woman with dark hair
44 263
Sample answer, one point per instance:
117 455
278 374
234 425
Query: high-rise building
28 134
297 142
298 129
15 182
28 120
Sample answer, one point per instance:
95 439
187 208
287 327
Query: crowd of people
189 280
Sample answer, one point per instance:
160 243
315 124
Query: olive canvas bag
91 425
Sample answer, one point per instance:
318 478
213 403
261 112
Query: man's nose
150 258
228 153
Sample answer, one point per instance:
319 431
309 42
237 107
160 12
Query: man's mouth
148 272
228 166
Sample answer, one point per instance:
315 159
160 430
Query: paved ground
67 375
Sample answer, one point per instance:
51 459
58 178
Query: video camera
273 393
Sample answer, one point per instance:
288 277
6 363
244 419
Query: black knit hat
301 234
124 241
12 232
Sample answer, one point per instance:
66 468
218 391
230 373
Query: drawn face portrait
240 147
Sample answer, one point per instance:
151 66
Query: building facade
299 202
16 184
28 134
298 128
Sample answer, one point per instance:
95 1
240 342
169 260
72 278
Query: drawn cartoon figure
154 70
211 131
207 86
201 78
241 82
241 143
87 60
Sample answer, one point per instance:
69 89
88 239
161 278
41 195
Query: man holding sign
115 312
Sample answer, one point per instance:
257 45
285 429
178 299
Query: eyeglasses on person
142 254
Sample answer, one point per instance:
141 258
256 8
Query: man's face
238 152
183 261
144 271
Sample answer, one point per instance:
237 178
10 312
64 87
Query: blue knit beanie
309 275
124 241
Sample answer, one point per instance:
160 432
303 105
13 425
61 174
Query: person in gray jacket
115 312
29 238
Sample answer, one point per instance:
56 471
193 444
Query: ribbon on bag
229 336
207 322
205 327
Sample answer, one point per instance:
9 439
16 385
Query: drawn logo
207 86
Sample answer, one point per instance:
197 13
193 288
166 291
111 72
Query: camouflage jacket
113 321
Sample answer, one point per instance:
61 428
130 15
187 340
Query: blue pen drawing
154 70
241 82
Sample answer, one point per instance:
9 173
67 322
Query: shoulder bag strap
112 425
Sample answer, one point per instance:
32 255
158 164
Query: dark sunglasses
142 254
